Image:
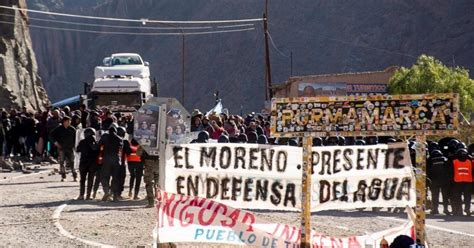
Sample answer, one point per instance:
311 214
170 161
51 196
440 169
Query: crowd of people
106 149
99 139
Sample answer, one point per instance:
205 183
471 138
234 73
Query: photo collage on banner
365 115
161 121
146 126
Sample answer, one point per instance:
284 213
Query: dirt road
37 210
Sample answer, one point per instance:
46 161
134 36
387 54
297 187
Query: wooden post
268 72
420 189
183 50
306 193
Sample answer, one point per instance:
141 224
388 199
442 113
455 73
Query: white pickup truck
122 83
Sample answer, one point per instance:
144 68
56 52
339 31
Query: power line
142 20
237 25
134 33
131 27
276 48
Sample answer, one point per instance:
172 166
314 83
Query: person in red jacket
135 167
463 179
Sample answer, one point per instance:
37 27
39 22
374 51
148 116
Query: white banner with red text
193 219
255 176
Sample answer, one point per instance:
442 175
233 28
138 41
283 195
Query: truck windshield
126 60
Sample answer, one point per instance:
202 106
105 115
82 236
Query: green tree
429 75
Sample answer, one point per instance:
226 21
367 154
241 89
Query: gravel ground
27 204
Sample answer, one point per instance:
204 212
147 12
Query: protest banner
362 176
250 176
206 221
269 177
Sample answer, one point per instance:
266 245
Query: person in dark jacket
87 164
64 138
121 173
113 145
29 127
2 133
109 119
52 122
84 115
95 121
15 134
439 173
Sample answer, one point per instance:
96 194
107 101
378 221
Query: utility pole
268 74
182 68
266 8
291 63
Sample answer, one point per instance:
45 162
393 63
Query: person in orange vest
463 179
135 168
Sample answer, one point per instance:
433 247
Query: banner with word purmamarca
202 220
255 176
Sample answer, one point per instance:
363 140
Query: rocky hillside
20 84
324 36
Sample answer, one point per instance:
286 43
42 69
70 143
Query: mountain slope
324 36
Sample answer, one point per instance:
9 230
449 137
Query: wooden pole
305 241
291 64
268 73
420 190
182 68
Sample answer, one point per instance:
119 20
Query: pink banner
191 219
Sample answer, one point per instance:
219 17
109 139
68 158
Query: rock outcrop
20 83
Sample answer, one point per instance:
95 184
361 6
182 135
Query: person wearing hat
95 121
76 121
196 124
438 170
64 138
108 120
196 121
463 179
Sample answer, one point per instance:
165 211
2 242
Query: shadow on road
63 186
445 218
86 210
25 183
35 205
97 206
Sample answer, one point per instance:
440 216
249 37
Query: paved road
38 210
